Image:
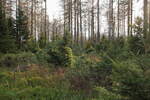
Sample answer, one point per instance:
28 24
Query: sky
54 8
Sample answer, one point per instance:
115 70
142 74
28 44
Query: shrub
36 84
7 44
136 44
12 60
55 55
42 57
8 60
115 49
101 73
60 55
103 45
130 79
104 94
67 39
68 57
79 79
31 45
89 47
84 76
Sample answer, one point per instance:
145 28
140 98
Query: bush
79 79
36 84
7 44
136 44
42 57
68 57
54 53
103 45
130 79
13 60
115 49
88 73
31 45
60 55
104 94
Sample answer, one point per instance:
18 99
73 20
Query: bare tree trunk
149 18
81 23
124 21
35 20
17 28
32 4
98 21
118 18
130 13
111 20
92 22
71 20
45 21
75 21
64 16
145 18
89 26
131 17
69 15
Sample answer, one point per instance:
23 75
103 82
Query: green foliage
90 71
67 41
118 74
139 43
41 42
42 57
119 69
60 55
138 26
36 84
7 41
115 49
7 44
136 45
89 48
103 45
31 45
68 57
79 79
104 94
130 79
78 50
55 55
22 28
13 60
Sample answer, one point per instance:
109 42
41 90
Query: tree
81 31
92 22
130 13
118 18
111 20
98 21
145 18
22 26
45 21
7 42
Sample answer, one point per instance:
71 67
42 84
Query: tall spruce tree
7 43
21 28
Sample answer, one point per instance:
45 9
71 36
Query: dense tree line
87 15
85 20
22 21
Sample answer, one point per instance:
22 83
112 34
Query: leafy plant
104 94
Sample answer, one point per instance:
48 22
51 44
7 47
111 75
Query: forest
95 50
